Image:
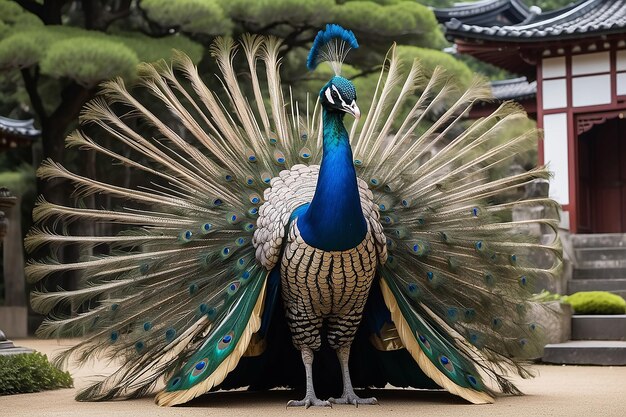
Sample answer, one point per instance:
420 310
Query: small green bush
596 302
30 372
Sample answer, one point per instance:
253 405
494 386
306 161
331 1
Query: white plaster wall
591 63
621 60
555 155
554 94
553 67
621 84
591 90
564 220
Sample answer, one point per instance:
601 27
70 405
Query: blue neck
334 219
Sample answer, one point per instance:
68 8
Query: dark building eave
503 11
559 37
16 133
581 20
519 90
514 89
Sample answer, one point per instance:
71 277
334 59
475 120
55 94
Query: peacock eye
334 94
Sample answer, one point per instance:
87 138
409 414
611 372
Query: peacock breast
320 283
287 198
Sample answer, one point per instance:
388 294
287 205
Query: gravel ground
557 391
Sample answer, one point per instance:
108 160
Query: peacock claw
308 402
353 399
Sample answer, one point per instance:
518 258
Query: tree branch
30 83
98 17
248 26
73 98
49 12
33 7
367 71
122 12
154 29
91 10
53 11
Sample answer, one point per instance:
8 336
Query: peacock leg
310 399
348 396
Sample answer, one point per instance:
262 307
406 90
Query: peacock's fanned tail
170 276
169 285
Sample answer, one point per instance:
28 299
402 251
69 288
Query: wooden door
602 178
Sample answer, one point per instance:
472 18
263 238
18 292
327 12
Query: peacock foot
352 398
308 401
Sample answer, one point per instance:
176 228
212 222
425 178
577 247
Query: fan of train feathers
170 284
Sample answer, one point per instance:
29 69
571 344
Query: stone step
599 273
586 352
617 286
599 240
599 327
602 264
584 255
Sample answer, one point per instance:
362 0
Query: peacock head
331 46
339 94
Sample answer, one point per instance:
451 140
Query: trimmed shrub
30 372
596 302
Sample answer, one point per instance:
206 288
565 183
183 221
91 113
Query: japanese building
16 133
575 58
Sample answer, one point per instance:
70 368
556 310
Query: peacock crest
332 46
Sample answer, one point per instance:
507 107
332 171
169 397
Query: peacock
254 234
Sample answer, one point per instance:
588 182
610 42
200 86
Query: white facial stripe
329 96
343 103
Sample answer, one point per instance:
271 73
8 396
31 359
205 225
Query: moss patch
596 302
30 372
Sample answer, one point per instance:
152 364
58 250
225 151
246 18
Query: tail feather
456 381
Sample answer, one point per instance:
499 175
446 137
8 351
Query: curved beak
353 109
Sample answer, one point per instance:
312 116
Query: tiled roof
512 11
24 128
514 89
587 17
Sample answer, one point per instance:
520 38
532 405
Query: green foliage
30 372
87 57
20 51
100 60
153 49
20 181
266 12
12 15
197 16
546 296
375 22
490 71
391 20
438 4
64 52
596 302
430 59
547 5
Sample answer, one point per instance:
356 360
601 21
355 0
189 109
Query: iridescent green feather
221 351
442 353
